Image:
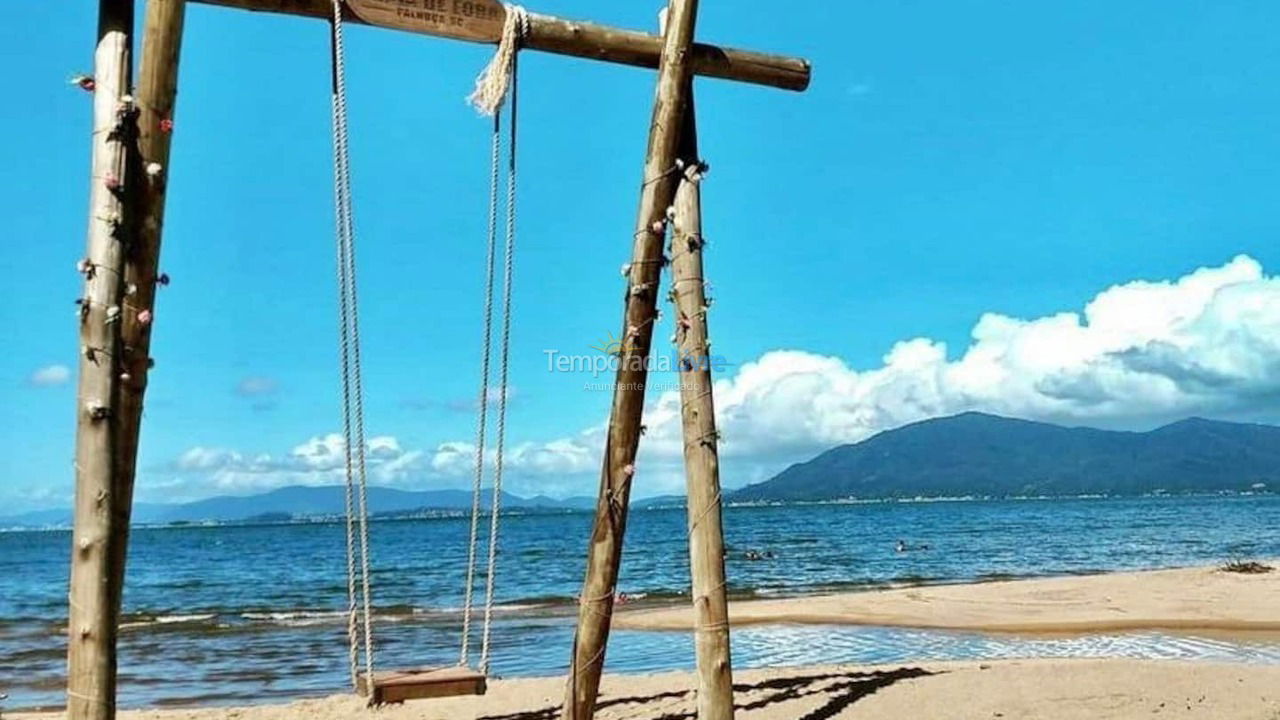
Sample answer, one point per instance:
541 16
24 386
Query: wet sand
1207 599
1013 689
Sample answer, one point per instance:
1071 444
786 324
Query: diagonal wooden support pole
481 21
701 439
656 194
96 575
156 96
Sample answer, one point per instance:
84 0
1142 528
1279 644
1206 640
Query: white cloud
321 460
1136 354
50 376
203 459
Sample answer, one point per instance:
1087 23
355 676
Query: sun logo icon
609 346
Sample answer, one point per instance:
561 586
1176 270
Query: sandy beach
1016 690
1202 598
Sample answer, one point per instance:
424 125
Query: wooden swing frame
130 168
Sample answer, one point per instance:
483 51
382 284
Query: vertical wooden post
701 455
657 191
95 575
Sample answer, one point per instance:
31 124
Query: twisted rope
482 414
498 76
352 384
508 276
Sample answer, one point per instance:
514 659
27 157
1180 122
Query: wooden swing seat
396 686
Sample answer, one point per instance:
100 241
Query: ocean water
221 615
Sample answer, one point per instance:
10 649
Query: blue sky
954 166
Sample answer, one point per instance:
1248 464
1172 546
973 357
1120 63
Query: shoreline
1183 599
1076 689
1190 601
459 513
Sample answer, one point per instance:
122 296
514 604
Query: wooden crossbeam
481 21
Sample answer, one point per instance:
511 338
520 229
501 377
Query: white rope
352 384
508 276
482 413
497 76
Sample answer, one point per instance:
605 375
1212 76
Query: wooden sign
476 20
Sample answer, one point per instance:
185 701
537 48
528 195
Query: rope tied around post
495 80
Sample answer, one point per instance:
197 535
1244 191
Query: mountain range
302 502
975 454
967 455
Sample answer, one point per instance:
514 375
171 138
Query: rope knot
495 80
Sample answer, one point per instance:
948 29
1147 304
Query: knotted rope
495 80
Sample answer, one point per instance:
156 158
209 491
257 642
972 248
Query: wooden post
656 194
96 576
701 456
157 96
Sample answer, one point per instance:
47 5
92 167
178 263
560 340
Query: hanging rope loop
356 492
482 408
495 80
504 355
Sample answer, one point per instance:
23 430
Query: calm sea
250 614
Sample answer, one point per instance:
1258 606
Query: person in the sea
902 546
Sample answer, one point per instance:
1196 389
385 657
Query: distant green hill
987 455
301 502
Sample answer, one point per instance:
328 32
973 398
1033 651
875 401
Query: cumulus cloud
50 376
1136 354
1139 353
320 460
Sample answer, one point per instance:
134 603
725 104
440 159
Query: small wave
437 611
140 621
295 618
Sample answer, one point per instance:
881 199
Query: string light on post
84 82
126 109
